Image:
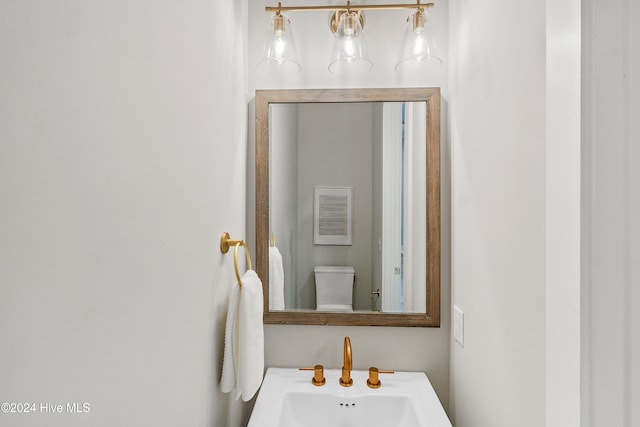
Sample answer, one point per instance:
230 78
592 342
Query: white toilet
334 288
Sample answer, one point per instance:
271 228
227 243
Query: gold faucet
346 380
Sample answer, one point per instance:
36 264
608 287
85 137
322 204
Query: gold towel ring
225 243
235 260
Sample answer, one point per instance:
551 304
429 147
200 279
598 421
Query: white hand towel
230 358
276 280
251 336
243 360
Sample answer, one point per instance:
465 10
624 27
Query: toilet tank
334 288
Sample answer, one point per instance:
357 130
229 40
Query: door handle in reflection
376 292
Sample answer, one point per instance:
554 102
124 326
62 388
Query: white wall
563 222
611 210
421 349
592 261
497 115
122 150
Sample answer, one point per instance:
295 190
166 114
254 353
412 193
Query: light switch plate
458 325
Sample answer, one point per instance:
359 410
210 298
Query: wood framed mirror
375 152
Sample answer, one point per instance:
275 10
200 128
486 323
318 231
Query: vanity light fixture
419 44
349 52
280 49
349 48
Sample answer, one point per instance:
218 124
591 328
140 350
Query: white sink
288 399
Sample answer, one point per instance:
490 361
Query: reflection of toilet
334 288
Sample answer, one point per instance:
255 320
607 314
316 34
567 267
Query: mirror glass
347 228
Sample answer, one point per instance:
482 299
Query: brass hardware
318 375
341 9
374 381
273 240
418 20
348 6
376 292
225 243
345 379
335 19
278 23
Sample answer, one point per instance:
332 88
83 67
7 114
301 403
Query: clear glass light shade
419 46
349 49
279 51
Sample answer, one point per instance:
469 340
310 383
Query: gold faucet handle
318 375
374 381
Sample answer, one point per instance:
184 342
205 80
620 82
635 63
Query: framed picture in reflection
332 216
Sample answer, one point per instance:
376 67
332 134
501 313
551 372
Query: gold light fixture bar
348 6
